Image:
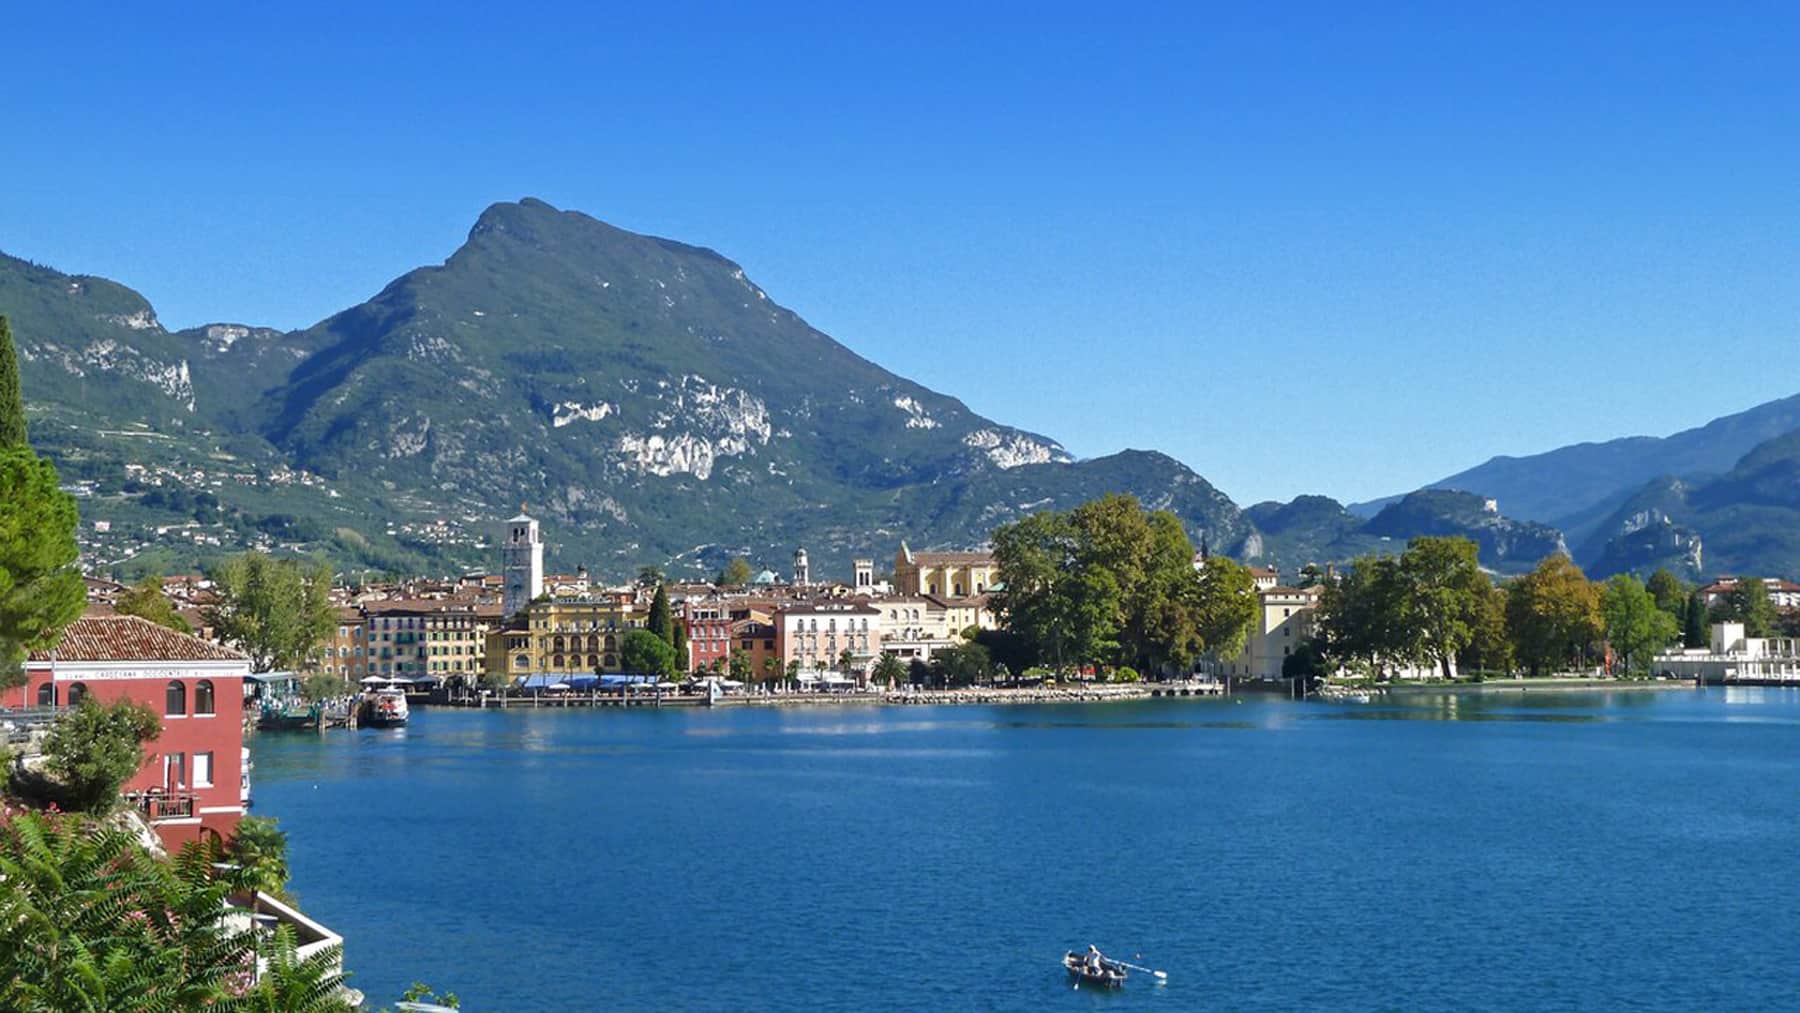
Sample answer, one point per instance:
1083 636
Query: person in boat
1094 959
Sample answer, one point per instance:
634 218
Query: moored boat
1102 973
386 708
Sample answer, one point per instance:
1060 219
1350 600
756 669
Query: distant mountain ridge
654 405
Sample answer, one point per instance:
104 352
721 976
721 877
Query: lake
1498 851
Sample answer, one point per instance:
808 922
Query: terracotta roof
131 638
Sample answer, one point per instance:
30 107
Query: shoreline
1548 684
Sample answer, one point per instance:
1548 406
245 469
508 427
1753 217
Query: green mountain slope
646 398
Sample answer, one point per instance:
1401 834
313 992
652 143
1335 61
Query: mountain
1744 521
1315 529
647 400
1578 487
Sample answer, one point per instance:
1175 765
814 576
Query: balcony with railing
157 804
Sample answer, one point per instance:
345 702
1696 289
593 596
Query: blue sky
1312 248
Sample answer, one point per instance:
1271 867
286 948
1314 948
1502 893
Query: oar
1159 975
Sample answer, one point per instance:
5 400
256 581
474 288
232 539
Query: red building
192 784
708 628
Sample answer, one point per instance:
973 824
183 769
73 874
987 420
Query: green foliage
1634 624
1748 603
1490 649
293 984
259 849
93 748
1694 622
323 686
40 588
645 653
12 401
889 670
736 573
1306 662
1362 614
147 600
962 664
738 664
423 993
89 921
1109 581
662 618
277 611
1553 614
1125 673
1668 590
650 576
1443 588
680 644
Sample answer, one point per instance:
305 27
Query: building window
174 770
47 695
522 661
203 697
203 770
77 693
175 699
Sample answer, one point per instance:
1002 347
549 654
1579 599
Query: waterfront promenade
1072 693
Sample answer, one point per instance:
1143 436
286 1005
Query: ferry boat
386 708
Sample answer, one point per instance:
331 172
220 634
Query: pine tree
1695 633
662 621
12 402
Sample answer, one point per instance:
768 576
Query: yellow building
563 636
944 574
425 637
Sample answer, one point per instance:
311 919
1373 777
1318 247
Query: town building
563 636
1783 594
707 624
816 635
914 626
1732 657
754 635
522 564
193 784
345 654
862 576
1285 618
439 639
802 570
947 574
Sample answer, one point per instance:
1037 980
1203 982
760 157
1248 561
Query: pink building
816 634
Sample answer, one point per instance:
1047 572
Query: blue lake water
1571 850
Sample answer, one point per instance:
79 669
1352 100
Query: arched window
611 644
77 693
557 661
593 661
47 695
612 662
522 661
175 699
203 697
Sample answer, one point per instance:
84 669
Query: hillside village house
1783 594
193 784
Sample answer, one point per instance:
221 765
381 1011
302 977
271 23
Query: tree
1361 614
146 600
645 653
1442 587
1634 624
770 670
740 664
662 619
91 921
1748 603
259 849
1307 662
1489 649
1225 607
1553 614
13 435
680 643
1694 624
649 576
295 984
736 573
962 664
1670 594
275 610
93 748
889 670
1066 605
41 591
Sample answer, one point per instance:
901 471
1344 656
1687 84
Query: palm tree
295 985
